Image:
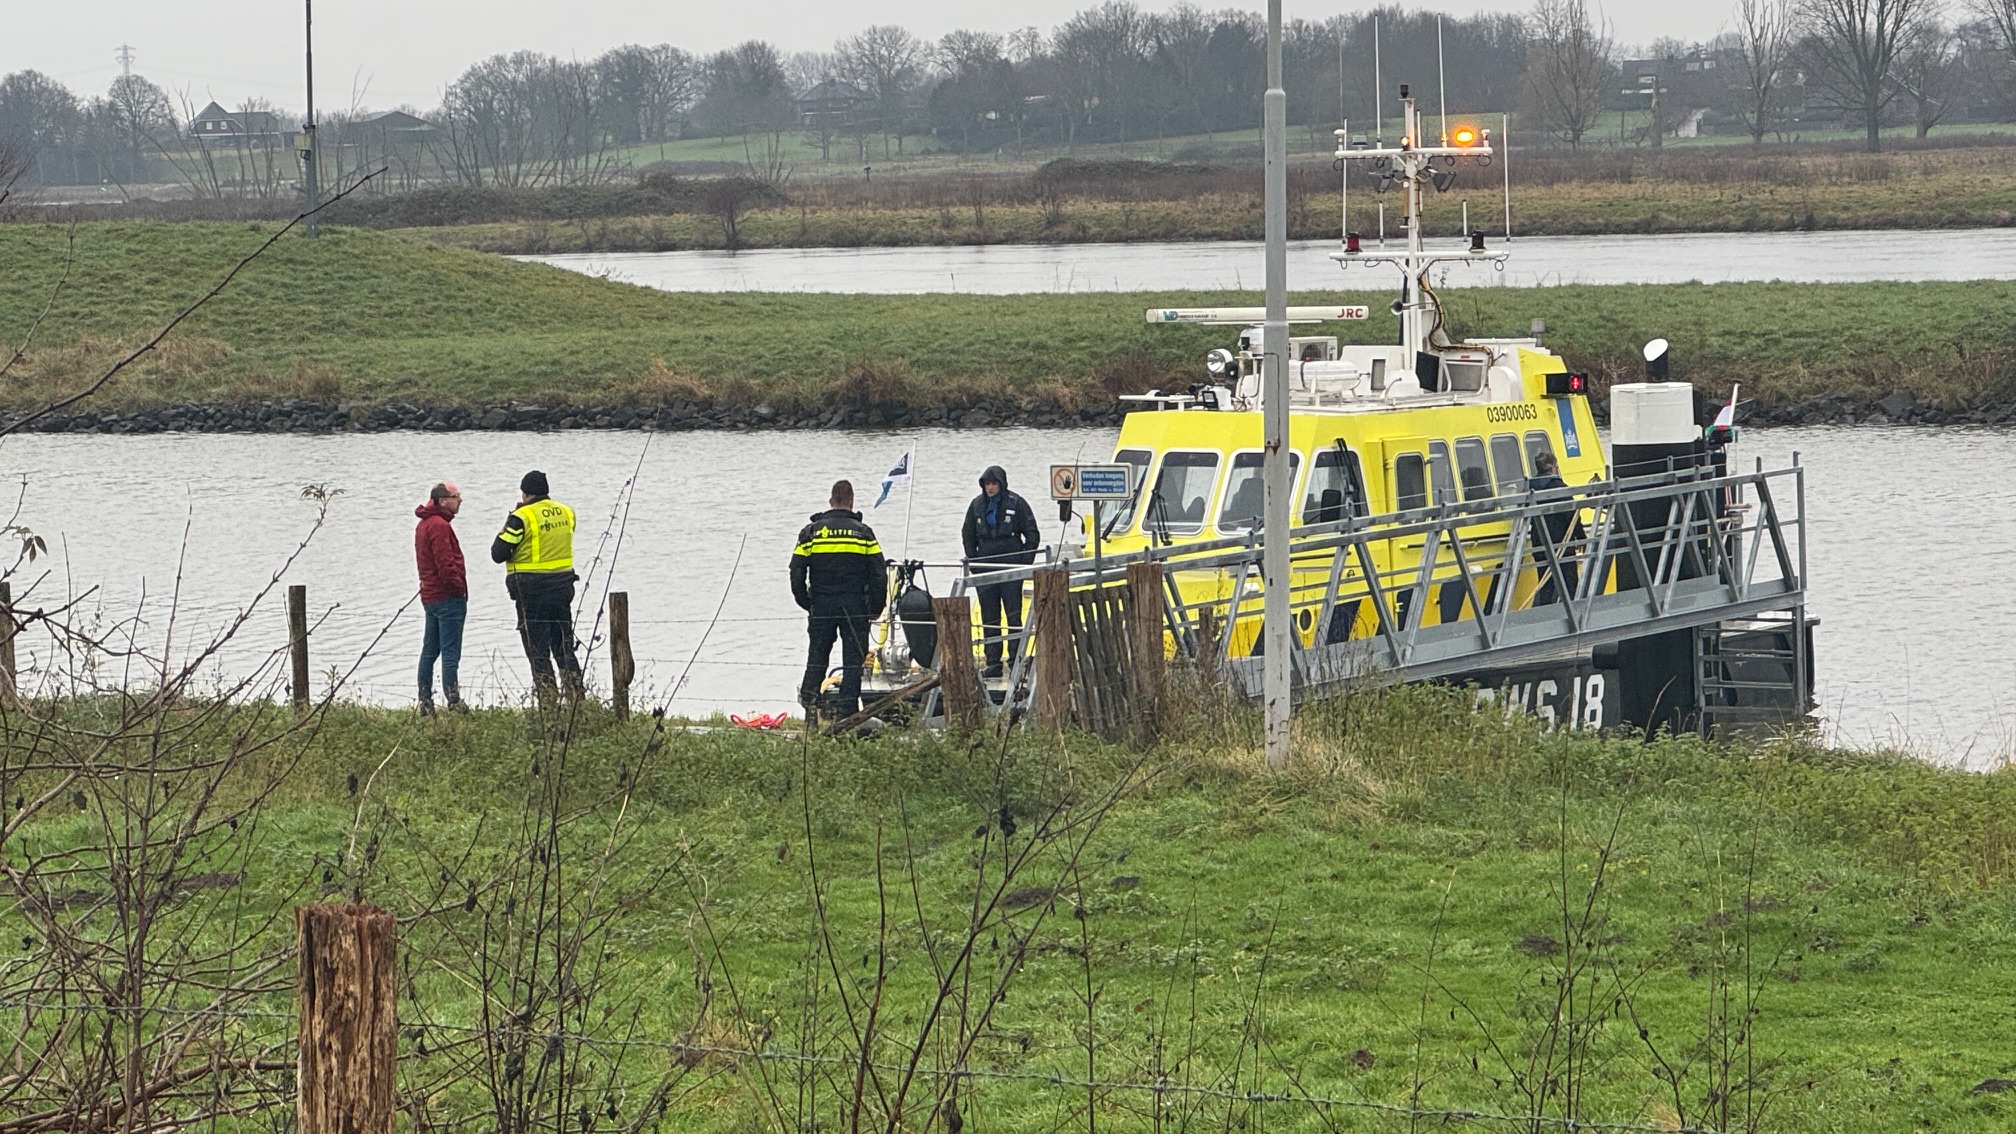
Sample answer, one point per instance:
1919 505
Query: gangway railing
1503 582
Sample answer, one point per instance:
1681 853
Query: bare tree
2000 18
1568 68
886 62
963 50
141 115
1928 71
1025 45
13 164
1855 45
1763 36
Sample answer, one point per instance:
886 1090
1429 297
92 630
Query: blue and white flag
898 475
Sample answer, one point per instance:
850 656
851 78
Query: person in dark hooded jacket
1000 532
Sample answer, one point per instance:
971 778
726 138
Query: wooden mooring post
622 664
1051 623
1144 644
9 676
297 641
349 1026
958 681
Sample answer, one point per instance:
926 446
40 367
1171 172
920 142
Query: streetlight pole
1276 691
310 183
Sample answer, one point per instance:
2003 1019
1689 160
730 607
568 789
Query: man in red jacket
444 594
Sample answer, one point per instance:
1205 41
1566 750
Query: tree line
1112 73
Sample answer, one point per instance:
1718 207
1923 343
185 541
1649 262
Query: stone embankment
1901 408
307 416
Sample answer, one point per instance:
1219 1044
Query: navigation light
1477 241
1656 360
1352 244
1564 385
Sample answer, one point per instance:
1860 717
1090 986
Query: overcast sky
383 53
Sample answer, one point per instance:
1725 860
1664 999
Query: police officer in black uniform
1000 531
839 577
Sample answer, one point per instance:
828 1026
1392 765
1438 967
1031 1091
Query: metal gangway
1686 548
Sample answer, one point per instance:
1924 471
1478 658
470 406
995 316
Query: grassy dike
1820 937
1685 189
369 318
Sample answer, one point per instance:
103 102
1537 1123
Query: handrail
1671 538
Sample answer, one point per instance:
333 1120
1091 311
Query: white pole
909 498
1344 207
1274 407
1505 163
1442 81
1378 92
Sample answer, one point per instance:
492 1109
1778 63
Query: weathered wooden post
297 642
958 681
1144 642
349 1039
622 665
9 689
1051 620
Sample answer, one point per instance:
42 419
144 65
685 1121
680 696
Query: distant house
829 99
216 124
399 126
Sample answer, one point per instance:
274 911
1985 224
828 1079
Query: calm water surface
1815 257
1912 571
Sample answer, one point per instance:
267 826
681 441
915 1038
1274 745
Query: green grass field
1432 910
372 317
801 150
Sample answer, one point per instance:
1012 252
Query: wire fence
1160 1087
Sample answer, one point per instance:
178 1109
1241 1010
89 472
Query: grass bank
1433 916
1724 189
371 318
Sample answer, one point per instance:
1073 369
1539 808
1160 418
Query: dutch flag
897 475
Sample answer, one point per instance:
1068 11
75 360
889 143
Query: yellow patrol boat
1373 429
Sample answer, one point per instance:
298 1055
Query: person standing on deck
444 595
1553 529
536 548
1000 532
839 578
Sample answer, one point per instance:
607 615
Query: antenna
1344 176
1505 162
125 56
1378 92
1442 81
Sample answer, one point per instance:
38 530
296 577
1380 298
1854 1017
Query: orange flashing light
1464 136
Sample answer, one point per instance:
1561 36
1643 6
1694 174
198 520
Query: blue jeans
444 641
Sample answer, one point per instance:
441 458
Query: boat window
1336 483
1410 481
1471 469
1441 473
1123 511
1537 442
1508 460
1246 490
1181 490
1462 377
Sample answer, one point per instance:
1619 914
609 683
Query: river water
1910 571
1002 269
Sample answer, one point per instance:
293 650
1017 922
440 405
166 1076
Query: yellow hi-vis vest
546 546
